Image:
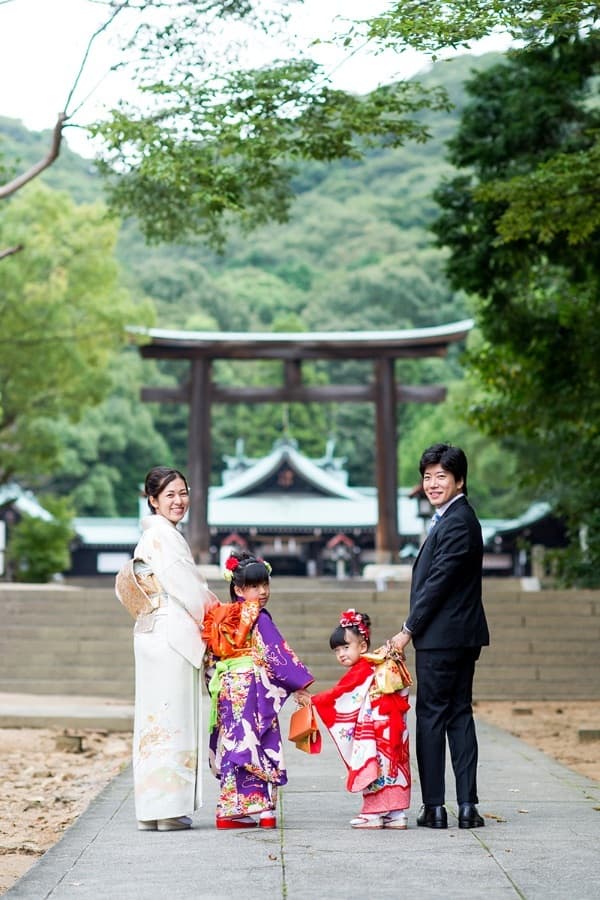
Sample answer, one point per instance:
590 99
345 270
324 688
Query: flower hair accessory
351 619
230 566
267 565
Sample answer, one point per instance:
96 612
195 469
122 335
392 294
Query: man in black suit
448 628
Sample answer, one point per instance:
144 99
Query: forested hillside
356 254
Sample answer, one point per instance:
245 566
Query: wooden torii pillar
200 392
386 468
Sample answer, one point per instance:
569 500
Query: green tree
239 145
531 122
259 297
440 25
521 221
22 149
355 251
211 141
106 454
63 318
38 548
218 141
494 484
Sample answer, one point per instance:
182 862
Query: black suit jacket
446 609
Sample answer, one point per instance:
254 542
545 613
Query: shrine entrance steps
77 640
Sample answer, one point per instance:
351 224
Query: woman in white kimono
168 647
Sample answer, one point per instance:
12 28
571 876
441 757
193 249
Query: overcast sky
42 44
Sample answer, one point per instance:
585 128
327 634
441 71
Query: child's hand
302 697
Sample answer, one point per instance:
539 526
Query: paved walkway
50 711
541 840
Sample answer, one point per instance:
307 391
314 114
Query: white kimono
168 648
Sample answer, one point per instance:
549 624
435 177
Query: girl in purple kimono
252 672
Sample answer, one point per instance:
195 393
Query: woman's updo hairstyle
250 571
157 480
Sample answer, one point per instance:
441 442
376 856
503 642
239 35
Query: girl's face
173 501
260 592
351 650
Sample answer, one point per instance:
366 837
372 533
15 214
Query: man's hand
400 640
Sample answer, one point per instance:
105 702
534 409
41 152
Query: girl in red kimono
365 714
252 671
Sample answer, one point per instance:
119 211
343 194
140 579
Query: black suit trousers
444 710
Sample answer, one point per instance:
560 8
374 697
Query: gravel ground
44 788
551 726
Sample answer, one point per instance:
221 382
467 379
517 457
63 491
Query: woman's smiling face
173 501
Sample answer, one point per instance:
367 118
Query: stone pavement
541 840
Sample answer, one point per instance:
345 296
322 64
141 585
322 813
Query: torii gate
200 392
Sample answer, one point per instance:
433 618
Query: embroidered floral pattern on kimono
252 672
168 652
369 731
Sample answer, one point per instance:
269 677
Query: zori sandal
367 822
177 823
241 822
399 822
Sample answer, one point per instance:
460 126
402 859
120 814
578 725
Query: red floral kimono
369 730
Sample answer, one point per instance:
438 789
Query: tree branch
10 250
102 28
17 183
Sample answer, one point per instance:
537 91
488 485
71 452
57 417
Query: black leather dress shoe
468 817
433 817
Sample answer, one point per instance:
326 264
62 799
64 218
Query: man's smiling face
440 486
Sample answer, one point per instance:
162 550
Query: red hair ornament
351 619
231 565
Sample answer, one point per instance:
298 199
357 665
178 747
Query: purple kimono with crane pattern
251 671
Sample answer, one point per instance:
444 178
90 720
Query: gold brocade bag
136 593
391 672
